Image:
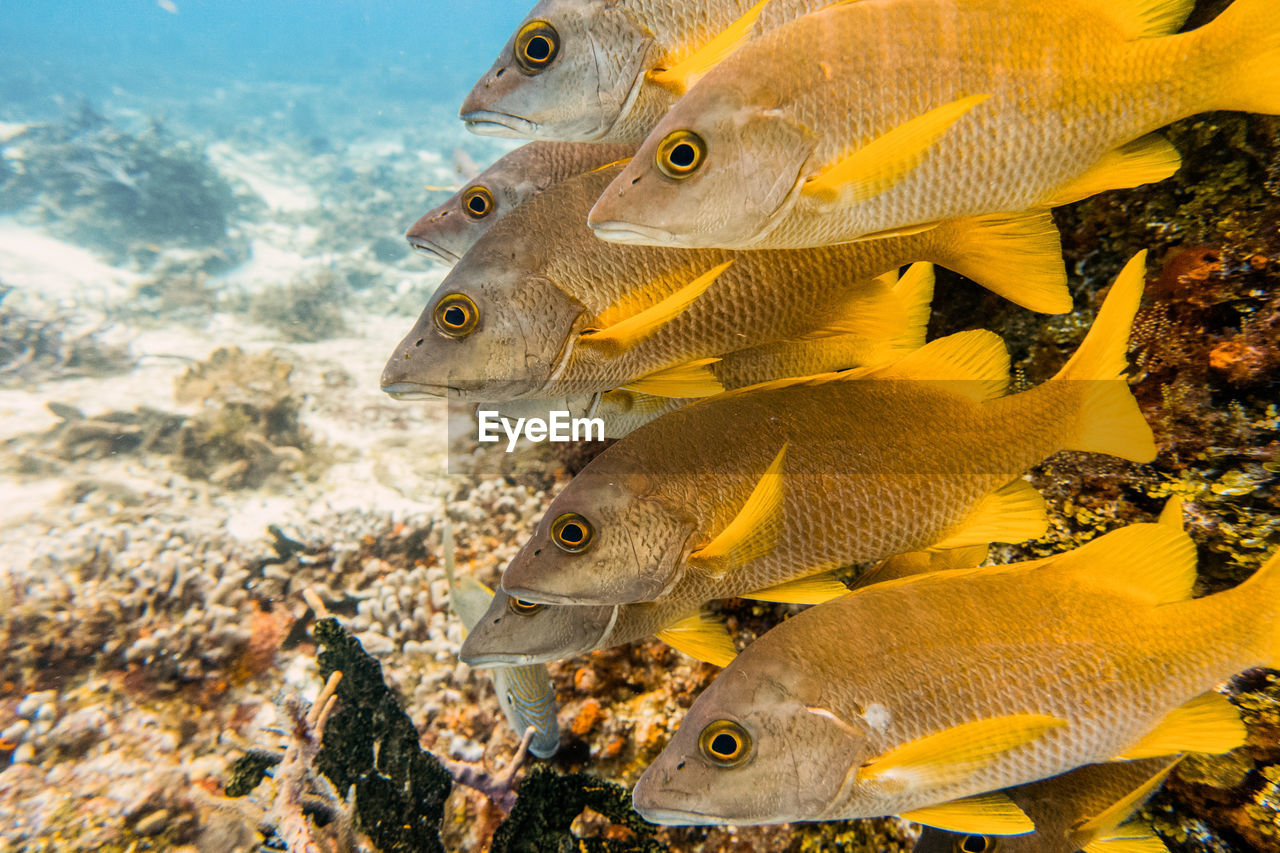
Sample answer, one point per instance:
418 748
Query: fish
1087 809
525 693
624 410
872 118
760 486
947 687
539 308
447 231
589 71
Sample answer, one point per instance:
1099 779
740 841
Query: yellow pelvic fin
1014 255
1152 562
1173 514
891 315
985 814
1147 18
701 636
621 162
1208 723
693 379
1147 160
630 331
957 753
754 530
815 589
1106 825
884 161
1109 420
1013 513
974 364
680 77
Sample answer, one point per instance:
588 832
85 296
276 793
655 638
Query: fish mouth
490 123
543 597
433 251
632 234
491 659
677 817
416 391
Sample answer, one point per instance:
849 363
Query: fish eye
477 202
537 45
572 533
725 743
520 607
680 153
456 316
975 844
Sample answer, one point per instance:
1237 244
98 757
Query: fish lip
491 123
432 250
416 391
615 231
491 659
538 596
677 817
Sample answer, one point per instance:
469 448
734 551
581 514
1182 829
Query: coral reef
305 309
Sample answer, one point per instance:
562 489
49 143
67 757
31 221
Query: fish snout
434 251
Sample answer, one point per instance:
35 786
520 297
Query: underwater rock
37 349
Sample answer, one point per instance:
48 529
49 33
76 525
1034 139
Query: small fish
525 693
757 487
868 118
540 308
588 71
446 232
1086 809
168 5
947 686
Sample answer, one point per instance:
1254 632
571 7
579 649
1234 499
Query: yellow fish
880 116
757 487
447 231
945 687
540 308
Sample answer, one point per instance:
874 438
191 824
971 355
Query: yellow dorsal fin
631 330
1014 255
815 589
693 379
1130 838
1173 514
973 363
1147 160
959 752
985 814
1106 825
1147 18
1109 420
1153 562
884 161
702 636
891 315
1208 723
680 77
755 528
1014 513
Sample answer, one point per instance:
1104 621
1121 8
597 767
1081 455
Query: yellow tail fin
1110 421
1249 32
1017 256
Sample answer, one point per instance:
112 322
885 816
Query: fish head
606 539
720 170
750 751
514 632
568 73
490 332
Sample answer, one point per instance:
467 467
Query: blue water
429 52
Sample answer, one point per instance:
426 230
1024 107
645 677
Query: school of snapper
702 247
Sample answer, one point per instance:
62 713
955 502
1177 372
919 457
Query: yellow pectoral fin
883 162
1107 824
630 331
985 814
694 379
1130 838
1144 161
701 636
1015 513
815 589
680 77
755 528
1208 723
953 755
